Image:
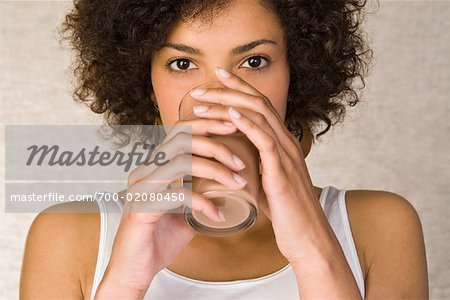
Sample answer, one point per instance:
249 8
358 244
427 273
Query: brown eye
256 62
180 64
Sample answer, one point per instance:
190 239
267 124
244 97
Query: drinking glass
239 206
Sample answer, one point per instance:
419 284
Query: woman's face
193 51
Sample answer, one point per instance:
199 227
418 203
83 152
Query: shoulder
381 210
381 214
388 235
62 246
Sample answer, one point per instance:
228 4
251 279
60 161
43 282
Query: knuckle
180 160
131 190
218 171
220 90
185 141
271 144
133 177
179 135
253 126
260 103
211 123
259 118
221 148
179 122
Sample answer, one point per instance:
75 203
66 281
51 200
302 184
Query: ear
153 98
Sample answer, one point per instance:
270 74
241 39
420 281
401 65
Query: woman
285 66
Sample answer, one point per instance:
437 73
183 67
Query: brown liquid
238 206
235 213
234 206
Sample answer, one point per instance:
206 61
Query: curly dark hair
114 41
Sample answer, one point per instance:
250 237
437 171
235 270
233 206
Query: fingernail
222 73
239 179
221 216
238 162
234 113
198 109
197 92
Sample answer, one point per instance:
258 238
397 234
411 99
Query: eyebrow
238 50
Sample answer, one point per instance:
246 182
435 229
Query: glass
239 206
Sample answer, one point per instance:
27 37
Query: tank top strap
110 215
335 209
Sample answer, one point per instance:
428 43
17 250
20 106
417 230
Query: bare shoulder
389 239
61 248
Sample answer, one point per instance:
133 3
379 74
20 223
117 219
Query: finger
227 97
185 164
214 111
260 123
221 111
267 145
166 202
180 144
206 206
212 148
206 168
201 127
235 98
185 143
260 104
233 81
179 140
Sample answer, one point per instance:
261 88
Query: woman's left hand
300 226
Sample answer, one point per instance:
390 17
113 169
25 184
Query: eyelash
182 72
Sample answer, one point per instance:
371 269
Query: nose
213 83
211 79
185 106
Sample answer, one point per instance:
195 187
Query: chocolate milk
239 206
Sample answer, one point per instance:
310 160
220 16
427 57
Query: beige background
397 140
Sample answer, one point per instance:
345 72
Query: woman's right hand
147 242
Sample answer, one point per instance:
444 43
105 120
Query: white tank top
281 284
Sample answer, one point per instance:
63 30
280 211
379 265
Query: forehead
240 22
